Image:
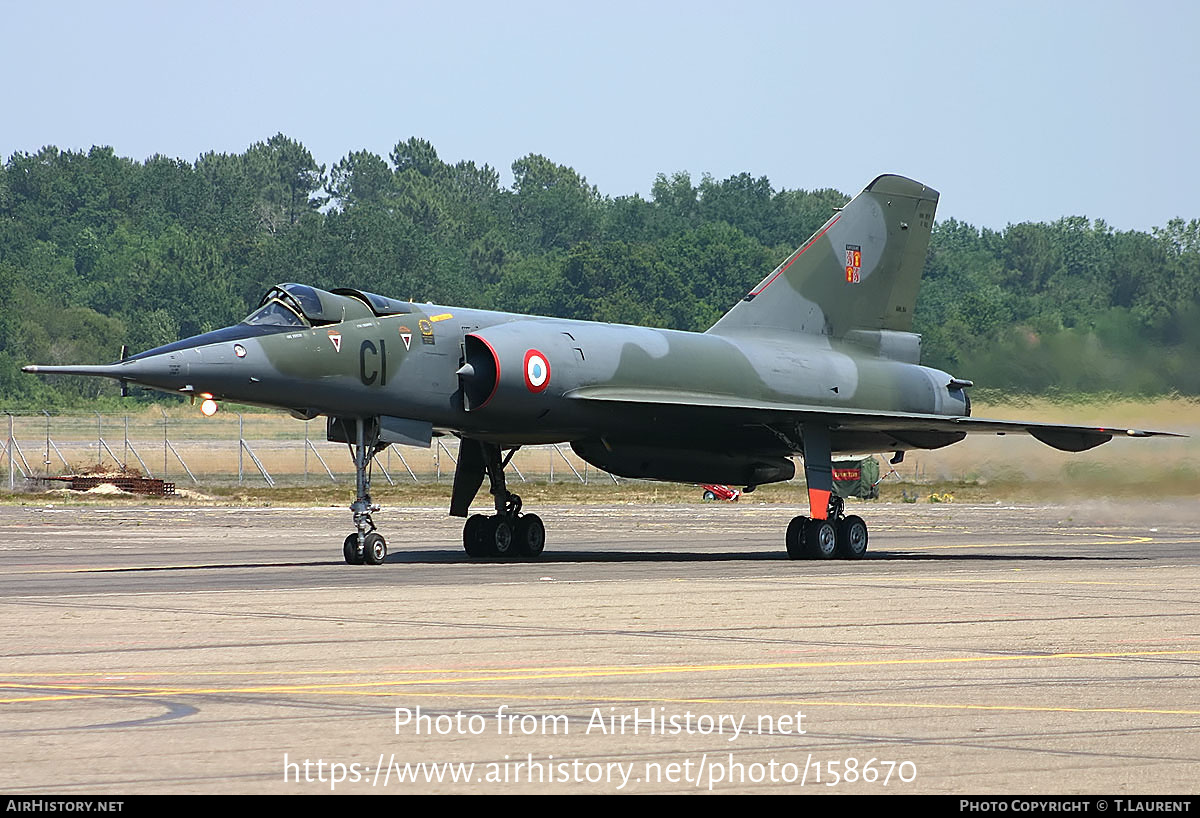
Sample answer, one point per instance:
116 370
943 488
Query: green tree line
97 250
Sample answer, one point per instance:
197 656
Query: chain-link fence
254 448
232 448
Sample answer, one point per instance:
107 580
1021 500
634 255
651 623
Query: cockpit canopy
298 305
379 304
275 313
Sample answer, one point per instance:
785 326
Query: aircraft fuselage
556 372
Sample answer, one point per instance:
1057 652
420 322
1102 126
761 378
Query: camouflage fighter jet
819 358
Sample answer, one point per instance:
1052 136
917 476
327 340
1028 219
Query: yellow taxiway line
109 688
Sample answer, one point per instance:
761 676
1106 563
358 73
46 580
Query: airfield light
208 408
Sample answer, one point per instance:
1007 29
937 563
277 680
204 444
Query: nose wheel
372 550
352 550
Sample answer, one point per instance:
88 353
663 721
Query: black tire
709 496
794 539
529 539
374 549
852 538
499 537
350 550
474 532
820 539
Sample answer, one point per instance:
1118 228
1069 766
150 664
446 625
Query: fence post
50 444
164 416
570 465
242 444
411 473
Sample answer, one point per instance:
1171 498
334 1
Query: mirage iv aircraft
817 359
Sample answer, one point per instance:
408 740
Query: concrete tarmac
653 649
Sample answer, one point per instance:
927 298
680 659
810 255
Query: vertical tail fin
860 271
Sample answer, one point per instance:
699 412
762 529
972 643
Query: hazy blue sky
1015 111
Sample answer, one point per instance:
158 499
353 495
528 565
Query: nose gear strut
365 545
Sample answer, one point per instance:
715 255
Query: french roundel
537 371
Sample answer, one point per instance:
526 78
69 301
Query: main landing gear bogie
504 536
838 536
508 532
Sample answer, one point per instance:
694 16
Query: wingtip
1148 433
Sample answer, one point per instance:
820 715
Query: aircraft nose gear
365 545
836 536
507 533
